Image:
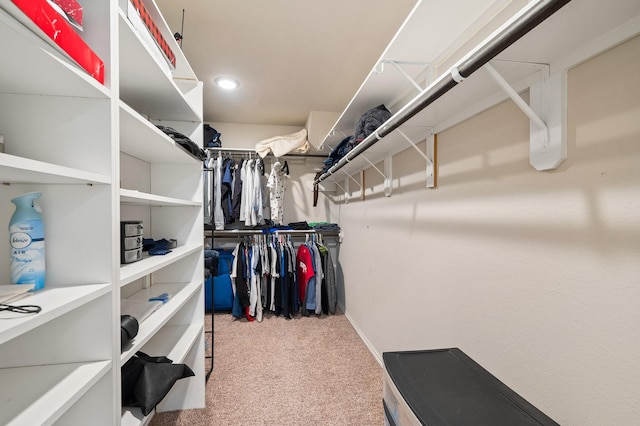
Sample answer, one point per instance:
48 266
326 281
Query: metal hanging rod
253 151
232 233
221 149
527 20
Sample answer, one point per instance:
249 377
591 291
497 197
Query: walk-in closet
418 212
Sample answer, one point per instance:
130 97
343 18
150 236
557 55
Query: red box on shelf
63 34
72 9
155 32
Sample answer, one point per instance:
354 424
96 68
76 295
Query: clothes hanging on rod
236 193
271 277
239 190
277 188
218 216
234 190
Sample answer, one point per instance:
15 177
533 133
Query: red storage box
62 33
160 41
72 9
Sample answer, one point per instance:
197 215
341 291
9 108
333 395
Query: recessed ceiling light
227 83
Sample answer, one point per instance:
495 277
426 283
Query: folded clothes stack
300 226
325 226
158 248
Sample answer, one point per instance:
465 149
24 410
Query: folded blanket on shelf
282 145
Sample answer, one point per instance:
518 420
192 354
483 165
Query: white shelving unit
439 36
97 157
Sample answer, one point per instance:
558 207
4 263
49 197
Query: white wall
535 275
298 203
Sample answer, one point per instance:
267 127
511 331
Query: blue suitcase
222 290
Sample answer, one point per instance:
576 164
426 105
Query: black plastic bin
446 387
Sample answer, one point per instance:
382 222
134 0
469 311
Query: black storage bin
446 387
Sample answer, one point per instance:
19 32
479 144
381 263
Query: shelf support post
548 105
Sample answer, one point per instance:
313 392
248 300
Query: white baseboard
363 337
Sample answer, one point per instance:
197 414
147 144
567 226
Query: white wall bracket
429 156
549 97
397 64
345 190
387 174
547 115
354 179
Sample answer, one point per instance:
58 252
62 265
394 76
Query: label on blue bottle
27 253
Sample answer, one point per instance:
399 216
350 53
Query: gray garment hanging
218 216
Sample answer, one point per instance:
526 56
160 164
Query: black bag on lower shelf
146 380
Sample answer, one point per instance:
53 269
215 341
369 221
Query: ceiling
290 56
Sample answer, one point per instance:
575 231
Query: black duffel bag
146 380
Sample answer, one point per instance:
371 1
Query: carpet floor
303 371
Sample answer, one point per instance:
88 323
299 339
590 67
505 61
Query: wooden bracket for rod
432 166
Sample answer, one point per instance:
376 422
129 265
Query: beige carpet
304 371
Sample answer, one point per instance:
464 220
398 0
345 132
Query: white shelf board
574 27
579 30
183 70
174 342
128 196
14 169
132 416
62 76
142 139
430 28
132 271
378 88
144 85
55 301
51 391
152 326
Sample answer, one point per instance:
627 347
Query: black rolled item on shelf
128 330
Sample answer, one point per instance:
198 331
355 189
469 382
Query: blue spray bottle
26 235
